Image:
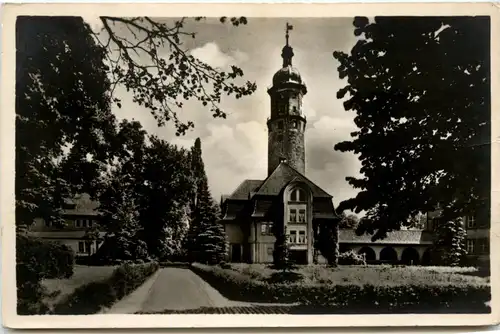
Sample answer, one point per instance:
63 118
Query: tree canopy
65 89
420 91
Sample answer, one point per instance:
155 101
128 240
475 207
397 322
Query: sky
235 148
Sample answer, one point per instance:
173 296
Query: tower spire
287 52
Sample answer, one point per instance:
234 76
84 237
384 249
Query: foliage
351 297
281 252
206 239
420 90
327 242
370 274
37 260
62 100
160 82
348 221
449 246
165 196
145 198
92 297
351 258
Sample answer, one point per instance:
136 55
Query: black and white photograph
250 164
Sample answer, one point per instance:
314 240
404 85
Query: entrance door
235 253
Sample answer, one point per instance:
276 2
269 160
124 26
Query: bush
351 297
351 258
92 297
36 260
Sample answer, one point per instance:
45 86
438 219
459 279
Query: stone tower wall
286 141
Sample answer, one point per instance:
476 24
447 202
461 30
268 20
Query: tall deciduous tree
62 100
160 83
167 191
420 89
65 82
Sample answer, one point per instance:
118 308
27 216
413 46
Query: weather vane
288 28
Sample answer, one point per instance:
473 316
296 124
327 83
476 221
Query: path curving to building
176 289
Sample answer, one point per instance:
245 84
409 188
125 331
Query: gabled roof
284 174
413 237
244 189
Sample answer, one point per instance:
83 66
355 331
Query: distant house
80 214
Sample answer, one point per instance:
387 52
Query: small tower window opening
280 125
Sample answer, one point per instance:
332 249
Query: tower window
294 124
280 125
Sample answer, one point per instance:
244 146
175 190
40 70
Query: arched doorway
369 253
388 255
426 257
410 256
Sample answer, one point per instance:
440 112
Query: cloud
211 54
326 166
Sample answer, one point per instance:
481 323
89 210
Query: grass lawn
370 274
58 288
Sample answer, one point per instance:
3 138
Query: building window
470 246
302 195
266 228
298 195
270 250
293 216
279 137
302 216
484 246
82 247
292 238
280 125
471 222
302 237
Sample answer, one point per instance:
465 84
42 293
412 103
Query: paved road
181 289
176 290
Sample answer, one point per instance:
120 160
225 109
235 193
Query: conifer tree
206 239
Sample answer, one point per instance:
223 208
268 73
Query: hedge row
342 297
37 259
92 297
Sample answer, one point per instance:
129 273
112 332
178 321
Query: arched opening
298 195
369 253
410 256
388 255
426 257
